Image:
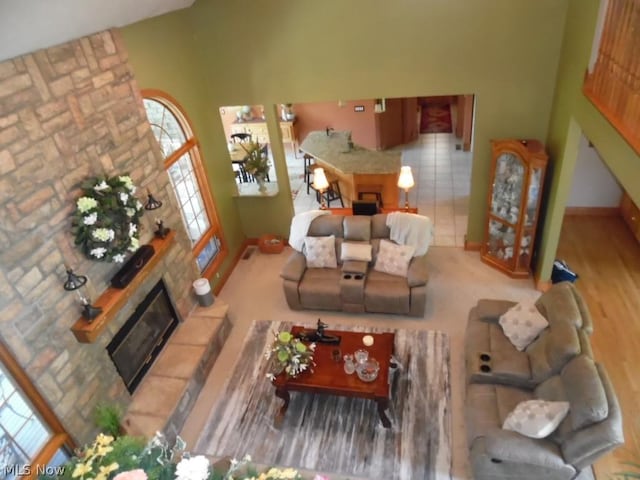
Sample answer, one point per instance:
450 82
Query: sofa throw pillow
320 252
536 418
356 251
393 259
522 323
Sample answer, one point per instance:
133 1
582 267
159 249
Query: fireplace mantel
113 298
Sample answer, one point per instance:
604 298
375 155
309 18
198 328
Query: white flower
271 376
194 468
98 252
133 246
124 197
130 212
85 204
138 205
90 219
103 234
132 229
101 186
118 258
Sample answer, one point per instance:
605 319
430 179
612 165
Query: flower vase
262 182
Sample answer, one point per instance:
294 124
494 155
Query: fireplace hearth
142 337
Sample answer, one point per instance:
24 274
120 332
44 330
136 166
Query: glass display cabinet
517 175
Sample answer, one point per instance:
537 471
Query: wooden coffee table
329 378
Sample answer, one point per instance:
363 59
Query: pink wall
319 116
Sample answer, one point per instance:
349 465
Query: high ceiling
29 25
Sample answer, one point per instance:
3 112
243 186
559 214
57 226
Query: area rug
436 119
337 434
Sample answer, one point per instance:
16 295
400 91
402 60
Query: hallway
442 175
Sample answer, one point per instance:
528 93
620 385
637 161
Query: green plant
289 355
108 418
257 160
628 475
129 458
106 223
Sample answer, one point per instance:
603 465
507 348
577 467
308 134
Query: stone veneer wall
68 113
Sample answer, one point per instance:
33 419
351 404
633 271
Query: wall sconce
75 282
320 184
153 204
405 181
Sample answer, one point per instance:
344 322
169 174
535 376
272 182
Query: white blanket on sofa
411 229
300 226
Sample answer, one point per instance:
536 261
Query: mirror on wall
250 155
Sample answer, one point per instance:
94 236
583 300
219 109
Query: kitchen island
356 168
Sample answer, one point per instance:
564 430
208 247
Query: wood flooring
606 257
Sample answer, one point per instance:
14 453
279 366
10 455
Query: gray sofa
557 366
354 286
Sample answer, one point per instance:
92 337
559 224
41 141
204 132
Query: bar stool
332 193
369 191
309 167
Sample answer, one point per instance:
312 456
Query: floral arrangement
106 222
257 160
288 354
128 458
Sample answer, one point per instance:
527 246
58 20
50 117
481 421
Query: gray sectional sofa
557 366
354 286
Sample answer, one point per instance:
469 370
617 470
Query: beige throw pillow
355 251
536 418
320 252
393 259
522 323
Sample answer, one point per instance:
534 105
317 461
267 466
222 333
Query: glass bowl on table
367 370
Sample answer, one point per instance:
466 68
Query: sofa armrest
295 267
508 446
417 274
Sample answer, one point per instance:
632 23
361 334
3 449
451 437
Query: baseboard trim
472 246
234 263
592 211
542 285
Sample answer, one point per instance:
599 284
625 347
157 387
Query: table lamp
405 181
320 184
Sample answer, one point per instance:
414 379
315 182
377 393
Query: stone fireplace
68 113
142 337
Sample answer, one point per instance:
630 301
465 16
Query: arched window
183 163
31 437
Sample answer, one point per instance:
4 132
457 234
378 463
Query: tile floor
442 175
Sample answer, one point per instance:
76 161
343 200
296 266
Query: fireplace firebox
136 345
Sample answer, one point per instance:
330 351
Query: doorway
440 161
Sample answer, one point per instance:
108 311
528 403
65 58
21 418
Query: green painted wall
505 52
572 115
164 56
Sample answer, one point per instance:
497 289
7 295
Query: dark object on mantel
130 269
319 336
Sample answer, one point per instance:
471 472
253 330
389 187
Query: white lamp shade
320 179
405 180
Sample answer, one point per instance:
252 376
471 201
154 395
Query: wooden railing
613 84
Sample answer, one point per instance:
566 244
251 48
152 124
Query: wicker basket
270 244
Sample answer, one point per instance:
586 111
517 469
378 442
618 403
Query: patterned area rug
436 119
337 434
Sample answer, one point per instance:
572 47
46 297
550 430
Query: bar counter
355 167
